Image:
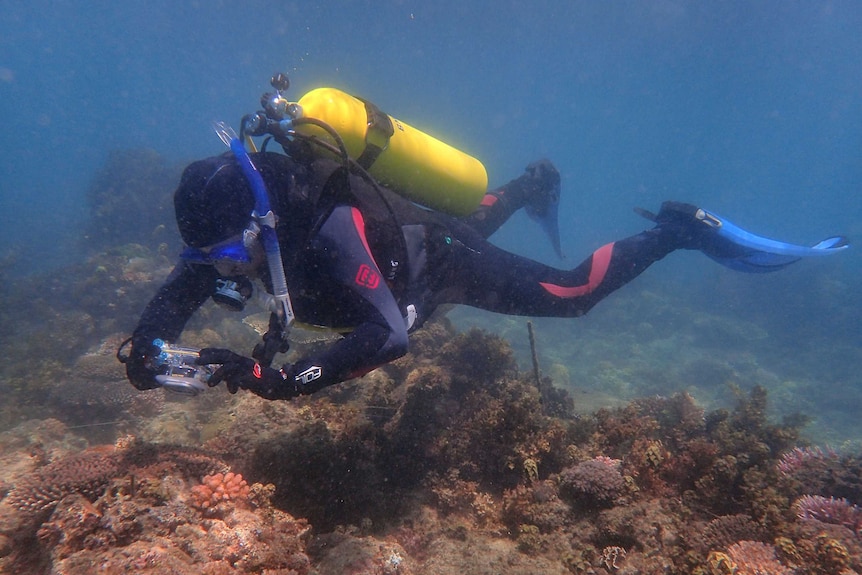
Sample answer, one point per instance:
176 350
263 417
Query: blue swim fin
744 251
732 246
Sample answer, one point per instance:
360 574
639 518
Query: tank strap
380 129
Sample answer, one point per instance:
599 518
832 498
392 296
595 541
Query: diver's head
213 202
214 207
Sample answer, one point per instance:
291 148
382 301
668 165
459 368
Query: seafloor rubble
448 461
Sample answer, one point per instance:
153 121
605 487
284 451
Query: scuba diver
362 259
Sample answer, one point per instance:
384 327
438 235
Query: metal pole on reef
536 373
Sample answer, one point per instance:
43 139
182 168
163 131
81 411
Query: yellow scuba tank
414 164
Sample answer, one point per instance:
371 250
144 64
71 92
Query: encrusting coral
756 558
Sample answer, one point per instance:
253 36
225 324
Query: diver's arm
373 343
367 347
186 289
382 336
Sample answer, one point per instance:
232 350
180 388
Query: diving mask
238 255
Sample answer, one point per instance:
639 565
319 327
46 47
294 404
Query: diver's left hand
243 372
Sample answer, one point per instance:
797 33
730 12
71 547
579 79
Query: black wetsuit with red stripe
361 259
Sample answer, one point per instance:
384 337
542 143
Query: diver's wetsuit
359 259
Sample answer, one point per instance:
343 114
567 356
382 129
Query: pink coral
829 510
220 487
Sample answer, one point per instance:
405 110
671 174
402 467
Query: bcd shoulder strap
332 185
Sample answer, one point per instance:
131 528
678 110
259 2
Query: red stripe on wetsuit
489 200
598 270
359 222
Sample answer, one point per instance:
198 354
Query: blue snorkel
265 218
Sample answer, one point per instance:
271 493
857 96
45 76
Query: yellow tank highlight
414 164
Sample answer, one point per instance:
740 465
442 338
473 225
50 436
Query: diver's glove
240 372
139 361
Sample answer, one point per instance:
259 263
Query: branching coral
220 487
799 459
87 473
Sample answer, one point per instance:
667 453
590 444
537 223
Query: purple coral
800 458
598 480
829 510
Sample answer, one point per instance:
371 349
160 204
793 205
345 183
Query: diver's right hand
240 372
138 361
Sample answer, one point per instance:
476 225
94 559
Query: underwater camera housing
178 371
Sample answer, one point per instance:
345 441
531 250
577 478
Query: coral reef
88 474
157 532
405 470
723 531
350 555
139 507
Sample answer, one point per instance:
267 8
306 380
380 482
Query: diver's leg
476 273
538 189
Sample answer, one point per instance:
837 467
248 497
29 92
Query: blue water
752 109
